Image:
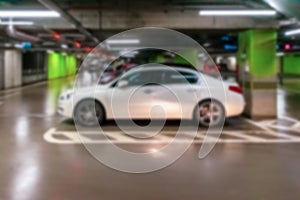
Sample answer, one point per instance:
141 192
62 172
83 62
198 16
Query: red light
287 46
88 49
56 36
77 44
236 89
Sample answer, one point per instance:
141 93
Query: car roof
179 65
163 66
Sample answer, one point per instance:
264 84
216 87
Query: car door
134 101
178 93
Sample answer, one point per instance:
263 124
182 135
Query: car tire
89 113
209 113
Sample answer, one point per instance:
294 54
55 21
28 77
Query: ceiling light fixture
22 23
28 13
128 52
292 32
64 46
237 12
18 46
280 54
123 41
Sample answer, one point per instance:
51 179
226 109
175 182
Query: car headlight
66 96
69 95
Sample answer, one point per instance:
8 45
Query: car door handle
191 90
148 91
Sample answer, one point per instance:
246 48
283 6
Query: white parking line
118 137
240 134
264 125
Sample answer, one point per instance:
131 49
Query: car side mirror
122 83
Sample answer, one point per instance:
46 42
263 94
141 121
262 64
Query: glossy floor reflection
32 168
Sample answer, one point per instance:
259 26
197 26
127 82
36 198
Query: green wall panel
60 65
53 65
183 57
291 64
188 56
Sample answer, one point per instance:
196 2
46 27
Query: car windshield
111 74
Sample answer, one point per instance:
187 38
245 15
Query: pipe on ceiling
54 6
12 32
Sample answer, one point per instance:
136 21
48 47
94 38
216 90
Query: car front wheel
88 113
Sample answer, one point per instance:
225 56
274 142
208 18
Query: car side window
141 78
179 77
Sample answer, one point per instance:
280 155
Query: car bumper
235 105
65 108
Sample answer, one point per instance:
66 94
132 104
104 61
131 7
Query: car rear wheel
89 113
209 113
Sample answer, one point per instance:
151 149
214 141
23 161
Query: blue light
225 38
230 47
26 45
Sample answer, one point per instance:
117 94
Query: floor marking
244 136
118 137
290 119
72 137
270 131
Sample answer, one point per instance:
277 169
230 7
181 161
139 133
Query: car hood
89 90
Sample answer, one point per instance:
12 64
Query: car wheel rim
87 113
210 113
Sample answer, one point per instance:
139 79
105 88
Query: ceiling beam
54 6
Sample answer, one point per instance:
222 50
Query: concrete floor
32 168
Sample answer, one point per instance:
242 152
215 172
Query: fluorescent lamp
292 32
129 52
237 12
23 23
18 46
124 41
7 44
128 55
280 54
28 13
64 46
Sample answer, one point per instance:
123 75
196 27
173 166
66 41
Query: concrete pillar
1 70
257 72
12 68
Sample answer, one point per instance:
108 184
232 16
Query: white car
155 93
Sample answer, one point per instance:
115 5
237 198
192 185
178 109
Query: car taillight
236 89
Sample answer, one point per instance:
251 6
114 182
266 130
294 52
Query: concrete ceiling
106 18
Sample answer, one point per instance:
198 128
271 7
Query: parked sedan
155 93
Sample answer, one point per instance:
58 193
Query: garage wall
12 68
34 67
291 64
1 70
60 65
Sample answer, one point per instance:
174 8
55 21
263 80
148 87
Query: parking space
284 130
